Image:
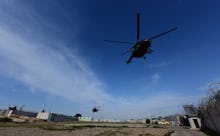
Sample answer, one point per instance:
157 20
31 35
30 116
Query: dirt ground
82 129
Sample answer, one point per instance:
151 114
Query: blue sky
53 56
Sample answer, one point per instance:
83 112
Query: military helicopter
13 108
141 47
95 109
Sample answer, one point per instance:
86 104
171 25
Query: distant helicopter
95 109
13 108
141 47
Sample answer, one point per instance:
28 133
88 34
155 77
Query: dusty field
81 129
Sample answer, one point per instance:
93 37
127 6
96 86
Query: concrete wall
61 118
44 116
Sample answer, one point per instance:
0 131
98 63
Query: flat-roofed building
86 119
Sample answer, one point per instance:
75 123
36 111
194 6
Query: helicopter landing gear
145 58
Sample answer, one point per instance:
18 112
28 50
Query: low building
175 120
54 117
195 122
154 120
86 119
141 121
131 121
22 116
61 118
114 120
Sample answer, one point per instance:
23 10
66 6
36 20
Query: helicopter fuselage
95 110
139 53
141 48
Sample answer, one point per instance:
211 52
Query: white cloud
33 53
59 72
63 71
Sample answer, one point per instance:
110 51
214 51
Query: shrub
147 121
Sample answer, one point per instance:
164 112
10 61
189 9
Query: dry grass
80 129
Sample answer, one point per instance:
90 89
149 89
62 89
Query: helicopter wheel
144 57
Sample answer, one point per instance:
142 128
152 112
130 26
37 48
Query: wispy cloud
31 56
46 64
63 73
59 72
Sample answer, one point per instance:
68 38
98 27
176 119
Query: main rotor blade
156 36
138 26
122 42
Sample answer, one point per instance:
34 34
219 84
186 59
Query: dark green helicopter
141 47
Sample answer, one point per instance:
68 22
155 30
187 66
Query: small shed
195 122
